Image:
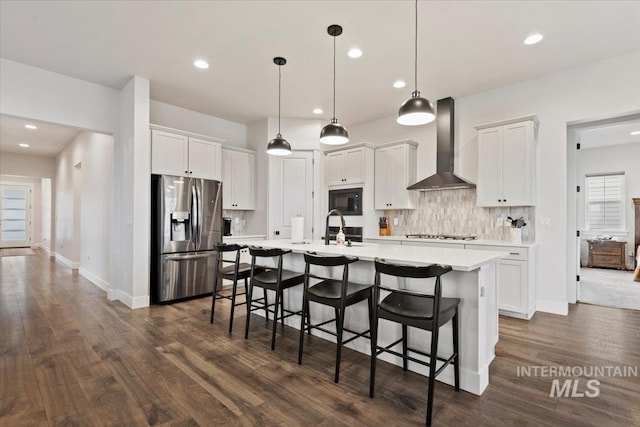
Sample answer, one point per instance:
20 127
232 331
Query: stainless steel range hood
444 178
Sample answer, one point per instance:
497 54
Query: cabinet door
517 164
169 153
381 179
512 286
397 177
354 165
227 179
204 159
243 181
489 187
334 168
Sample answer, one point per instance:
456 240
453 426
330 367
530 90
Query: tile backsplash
238 223
455 212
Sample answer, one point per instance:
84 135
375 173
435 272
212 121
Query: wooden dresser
607 253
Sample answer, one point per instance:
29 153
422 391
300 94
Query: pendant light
416 110
279 146
334 133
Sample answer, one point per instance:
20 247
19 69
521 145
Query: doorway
15 215
607 180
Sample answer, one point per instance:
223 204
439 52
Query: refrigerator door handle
185 257
195 215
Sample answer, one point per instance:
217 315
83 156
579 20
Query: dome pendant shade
416 111
334 134
279 146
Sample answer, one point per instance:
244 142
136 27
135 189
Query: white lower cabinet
516 280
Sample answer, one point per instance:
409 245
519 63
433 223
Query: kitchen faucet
326 227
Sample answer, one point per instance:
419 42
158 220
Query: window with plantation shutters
605 201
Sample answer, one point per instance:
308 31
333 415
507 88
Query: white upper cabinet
238 180
183 155
506 163
345 166
395 170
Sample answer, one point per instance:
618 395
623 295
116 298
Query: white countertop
245 237
459 259
481 242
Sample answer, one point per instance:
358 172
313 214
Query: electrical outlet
396 221
500 221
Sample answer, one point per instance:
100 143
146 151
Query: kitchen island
473 280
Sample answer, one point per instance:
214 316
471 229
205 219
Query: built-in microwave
348 201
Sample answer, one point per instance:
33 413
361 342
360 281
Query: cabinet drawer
519 254
607 261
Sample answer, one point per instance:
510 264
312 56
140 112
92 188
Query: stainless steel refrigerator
186 223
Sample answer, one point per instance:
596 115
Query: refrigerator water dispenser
179 225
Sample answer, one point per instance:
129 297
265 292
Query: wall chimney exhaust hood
444 178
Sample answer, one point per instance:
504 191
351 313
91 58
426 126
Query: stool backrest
221 249
312 258
410 271
260 252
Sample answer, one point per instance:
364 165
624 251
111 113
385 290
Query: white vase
516 235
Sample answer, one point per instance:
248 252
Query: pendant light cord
334 77
415 56
279 92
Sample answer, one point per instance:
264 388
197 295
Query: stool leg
432 371
233 302
373 324
266 303
339 327
308 318
303 325
405 336
282 309
456 363
275 320
213 302
248 297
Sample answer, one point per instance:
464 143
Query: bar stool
418 310
338 294
273 279
233 272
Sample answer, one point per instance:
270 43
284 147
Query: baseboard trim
102 284
126 299
72 265
553 307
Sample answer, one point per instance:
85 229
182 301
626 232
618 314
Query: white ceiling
465 47
47 140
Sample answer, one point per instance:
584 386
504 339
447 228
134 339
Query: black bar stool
273 279
335 293
419 310
233 272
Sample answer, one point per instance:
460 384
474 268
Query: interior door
15 216
291 193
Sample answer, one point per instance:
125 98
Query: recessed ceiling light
533 39
635 132
399 84
201 63
24 145
317 111
354 53
31 126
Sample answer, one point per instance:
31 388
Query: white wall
257 139
46 201
24 165
598 90
35 93
168 115
67 242
619 158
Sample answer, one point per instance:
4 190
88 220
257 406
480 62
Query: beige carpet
610 288
16 251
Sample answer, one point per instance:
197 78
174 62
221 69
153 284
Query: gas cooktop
441 236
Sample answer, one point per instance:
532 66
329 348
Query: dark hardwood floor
68 356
